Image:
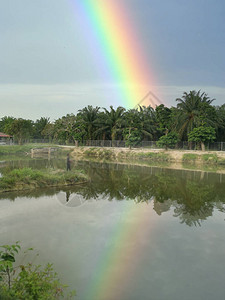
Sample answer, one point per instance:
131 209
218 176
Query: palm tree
89 115
131 121
144 122
114 121
193 111
148 122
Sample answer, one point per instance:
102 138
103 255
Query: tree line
193 119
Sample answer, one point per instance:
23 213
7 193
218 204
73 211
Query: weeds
19 179
17 149
210 158
153 156
190 157
28 281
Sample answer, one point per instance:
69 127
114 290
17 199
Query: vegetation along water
141 230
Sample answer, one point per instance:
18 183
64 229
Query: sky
53 60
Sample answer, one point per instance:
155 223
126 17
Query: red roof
4 135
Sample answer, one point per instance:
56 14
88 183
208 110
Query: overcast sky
47 67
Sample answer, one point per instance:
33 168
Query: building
5 139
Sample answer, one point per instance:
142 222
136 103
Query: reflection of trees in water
192 195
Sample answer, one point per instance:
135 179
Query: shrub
210 158
168 141
29 281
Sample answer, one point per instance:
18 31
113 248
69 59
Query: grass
104 153
190 157
99 152
210 158
207 159
153 156
17 149
27 178
221 161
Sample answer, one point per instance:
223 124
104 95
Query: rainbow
117 49
117 263
119 56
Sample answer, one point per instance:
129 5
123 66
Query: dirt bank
217 157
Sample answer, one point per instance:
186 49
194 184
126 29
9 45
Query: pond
132 232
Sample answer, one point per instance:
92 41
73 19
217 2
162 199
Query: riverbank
176 156
27 178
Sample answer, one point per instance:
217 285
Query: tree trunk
203 146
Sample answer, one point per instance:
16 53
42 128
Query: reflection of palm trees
192 198
194 218
195 202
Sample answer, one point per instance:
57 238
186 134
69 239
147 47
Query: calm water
132 233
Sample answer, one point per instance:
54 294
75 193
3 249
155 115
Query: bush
210 158
28 282
168 141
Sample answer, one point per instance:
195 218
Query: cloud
54 101
168 94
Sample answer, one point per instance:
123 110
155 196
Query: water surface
133 232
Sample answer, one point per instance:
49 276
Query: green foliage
21 129
210 158
133 138
168 141
20 149
220 116
29 281
15 149
193 109
48 131
163 115
114 121
5 124
140 125
100 153
89 116
202 134
39 126
7 258
19 179
154 156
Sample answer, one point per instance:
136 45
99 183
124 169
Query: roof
4 135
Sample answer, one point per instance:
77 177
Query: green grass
153 156
99 152
190 157
17 149
27 178
210 158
